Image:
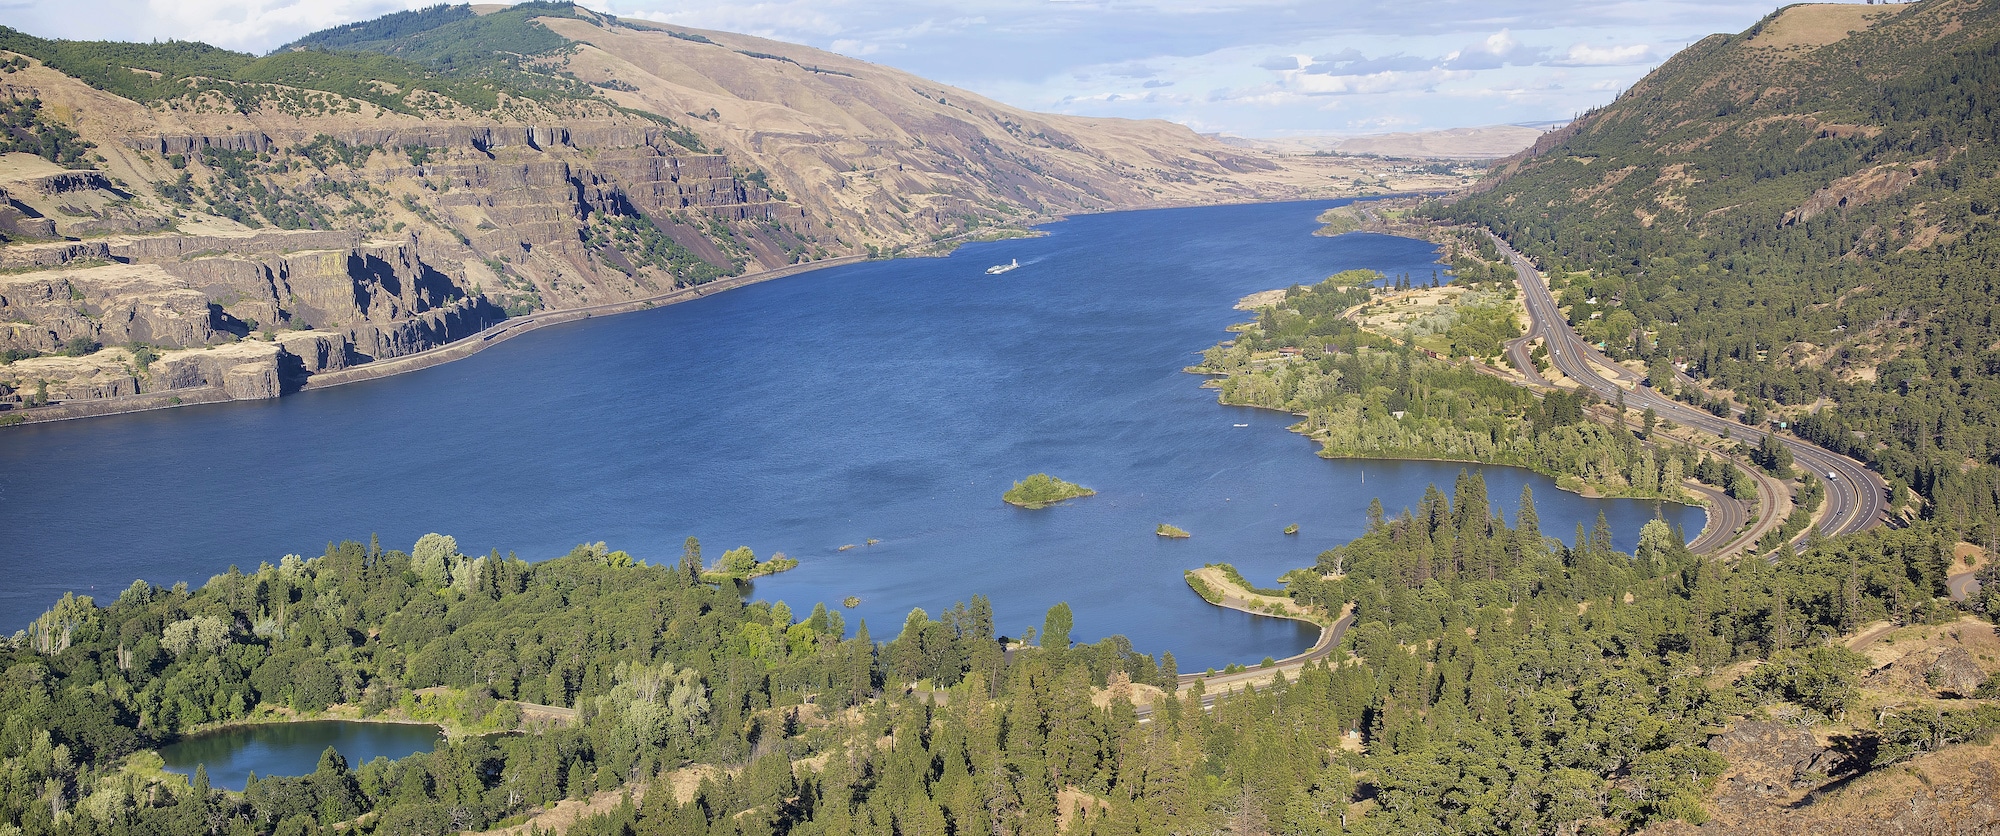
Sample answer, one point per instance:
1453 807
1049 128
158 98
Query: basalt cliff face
340 225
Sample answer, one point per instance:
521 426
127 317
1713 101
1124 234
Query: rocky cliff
338 225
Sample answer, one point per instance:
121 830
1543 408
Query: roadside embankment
1223 586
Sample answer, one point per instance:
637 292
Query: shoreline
1588 491
510 328
1708 513
456 350
277 715
1234 597
1372 224
278 720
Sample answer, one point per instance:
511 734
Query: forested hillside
1363 395
1495 679
1803 215
666 670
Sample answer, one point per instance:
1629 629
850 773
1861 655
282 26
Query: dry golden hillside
348 207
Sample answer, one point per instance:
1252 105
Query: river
891 400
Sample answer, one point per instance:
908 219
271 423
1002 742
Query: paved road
1221 683
1855 497
1726 514
1962 585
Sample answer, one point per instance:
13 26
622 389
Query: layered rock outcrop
384 230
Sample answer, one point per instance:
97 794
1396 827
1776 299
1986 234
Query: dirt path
1868 635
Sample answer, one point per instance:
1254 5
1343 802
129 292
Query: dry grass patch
1815 25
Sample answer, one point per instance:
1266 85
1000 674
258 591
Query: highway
1855 497
1727 515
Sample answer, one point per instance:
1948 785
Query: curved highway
1855 496
1726 516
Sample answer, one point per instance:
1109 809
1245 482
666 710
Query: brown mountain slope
890 156
340 229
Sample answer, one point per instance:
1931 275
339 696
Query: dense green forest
1822 252
389 29
411 62
664 668
245 82
452 37
1362 395
1498 680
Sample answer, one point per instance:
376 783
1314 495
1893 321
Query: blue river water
890 400
231 754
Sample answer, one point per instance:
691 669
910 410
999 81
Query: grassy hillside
154 72
1819 251
450 51
453 36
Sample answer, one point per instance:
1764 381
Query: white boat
997 269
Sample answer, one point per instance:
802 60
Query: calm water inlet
291 749
892 401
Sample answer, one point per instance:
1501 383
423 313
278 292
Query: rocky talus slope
307 229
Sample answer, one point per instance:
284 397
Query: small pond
292 749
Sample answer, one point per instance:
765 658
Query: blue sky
1247 67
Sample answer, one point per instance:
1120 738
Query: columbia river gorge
891 401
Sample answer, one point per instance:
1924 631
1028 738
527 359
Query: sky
1259 68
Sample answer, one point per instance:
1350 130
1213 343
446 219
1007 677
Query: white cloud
239 24
1497 50
786 21
850 46
1387 81
1278 65
1586 55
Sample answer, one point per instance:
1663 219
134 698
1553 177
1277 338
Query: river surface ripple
888 400
231 755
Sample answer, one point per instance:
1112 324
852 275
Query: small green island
741 563
1042 490
1172 532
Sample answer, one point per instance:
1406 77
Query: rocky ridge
339 231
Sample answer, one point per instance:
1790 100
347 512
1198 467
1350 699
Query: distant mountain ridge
451 167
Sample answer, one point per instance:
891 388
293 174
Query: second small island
1042 490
